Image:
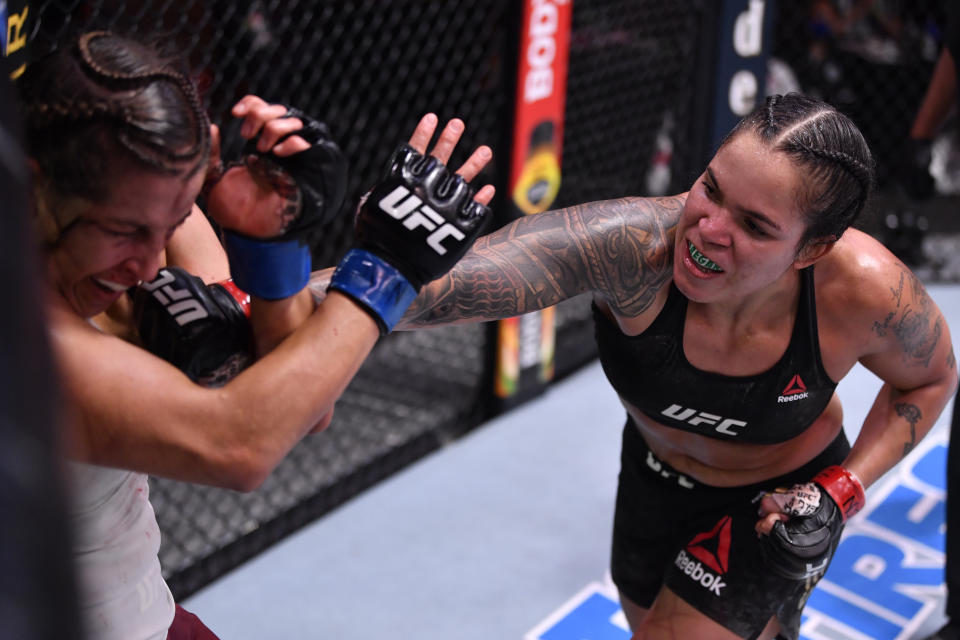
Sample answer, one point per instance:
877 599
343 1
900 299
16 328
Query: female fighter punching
725 317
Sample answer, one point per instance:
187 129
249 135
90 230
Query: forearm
266 410
896 422
273 320
133 410
195 248
291 389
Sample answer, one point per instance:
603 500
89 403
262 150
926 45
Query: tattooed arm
910 350
619 250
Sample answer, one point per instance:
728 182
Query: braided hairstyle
829 148
102 103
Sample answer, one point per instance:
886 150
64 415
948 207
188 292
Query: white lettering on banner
400 204
748 31
530 324
541 50
743 92
747 43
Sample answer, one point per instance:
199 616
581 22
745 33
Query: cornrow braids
139 80
104 103
771 103
833 152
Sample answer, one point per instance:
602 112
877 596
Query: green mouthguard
703 260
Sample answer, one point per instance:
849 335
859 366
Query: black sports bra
651 372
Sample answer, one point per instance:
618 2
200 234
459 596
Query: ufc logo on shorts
400 204
179 303
696 418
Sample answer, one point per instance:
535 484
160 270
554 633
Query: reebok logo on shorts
710 548
795 390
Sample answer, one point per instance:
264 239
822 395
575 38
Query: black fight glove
410 229
314 182
801 547
201 329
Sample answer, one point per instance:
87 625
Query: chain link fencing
370 69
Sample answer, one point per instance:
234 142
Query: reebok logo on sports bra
795 390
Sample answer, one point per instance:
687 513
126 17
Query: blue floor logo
884 583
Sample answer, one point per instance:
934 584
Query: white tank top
123 595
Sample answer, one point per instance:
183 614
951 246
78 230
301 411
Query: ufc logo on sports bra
179 303
400 204
697 418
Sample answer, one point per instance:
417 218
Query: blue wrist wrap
375 284
269 269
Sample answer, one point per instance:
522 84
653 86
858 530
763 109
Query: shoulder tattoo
619 249
912 319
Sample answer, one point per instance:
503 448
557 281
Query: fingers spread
423 133
485 195
475 163
448 140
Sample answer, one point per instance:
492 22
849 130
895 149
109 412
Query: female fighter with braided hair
725 317
120 147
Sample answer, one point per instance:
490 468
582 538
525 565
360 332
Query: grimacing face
740 227
116 244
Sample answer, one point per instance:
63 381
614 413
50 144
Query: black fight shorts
700 541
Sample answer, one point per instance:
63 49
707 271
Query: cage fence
370 69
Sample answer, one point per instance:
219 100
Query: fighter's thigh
671 617
634 613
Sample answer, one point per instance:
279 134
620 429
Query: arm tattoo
913 320
619 249
910 413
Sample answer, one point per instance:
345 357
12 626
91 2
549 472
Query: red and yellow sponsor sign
535 171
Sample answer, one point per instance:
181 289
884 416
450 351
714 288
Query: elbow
323 423
244 469
247 479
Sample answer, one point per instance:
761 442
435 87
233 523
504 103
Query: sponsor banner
525 346
743 47
13 39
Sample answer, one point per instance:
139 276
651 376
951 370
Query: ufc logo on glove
401 204
179 303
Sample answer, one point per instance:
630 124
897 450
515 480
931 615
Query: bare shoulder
874 303
633 241
856 270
